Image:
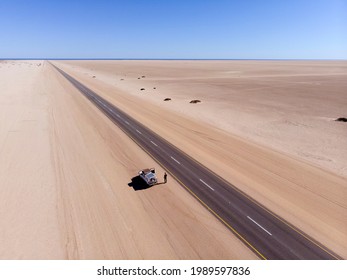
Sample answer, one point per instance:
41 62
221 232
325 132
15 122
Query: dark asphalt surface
262 231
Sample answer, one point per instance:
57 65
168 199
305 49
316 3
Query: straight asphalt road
269 236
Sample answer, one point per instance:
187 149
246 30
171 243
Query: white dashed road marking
175 160
207 185
138 131
154 143
268 232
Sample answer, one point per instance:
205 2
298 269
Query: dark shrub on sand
341 120
167 99
195 101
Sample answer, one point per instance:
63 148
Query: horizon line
52 58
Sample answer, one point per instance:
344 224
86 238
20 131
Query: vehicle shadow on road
138 184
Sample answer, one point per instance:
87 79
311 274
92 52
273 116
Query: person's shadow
139 184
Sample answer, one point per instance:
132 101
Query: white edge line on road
268 232
202 181
138 131
175 160
154 143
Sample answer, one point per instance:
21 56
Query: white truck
148 175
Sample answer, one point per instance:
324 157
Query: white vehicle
148 175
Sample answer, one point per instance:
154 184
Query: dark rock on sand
195 101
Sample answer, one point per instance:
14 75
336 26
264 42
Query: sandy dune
293 164
64 174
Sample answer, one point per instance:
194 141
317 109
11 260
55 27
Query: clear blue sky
242 29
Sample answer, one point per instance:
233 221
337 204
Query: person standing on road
165 177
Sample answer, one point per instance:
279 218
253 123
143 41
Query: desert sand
284 105
268 127
64 174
